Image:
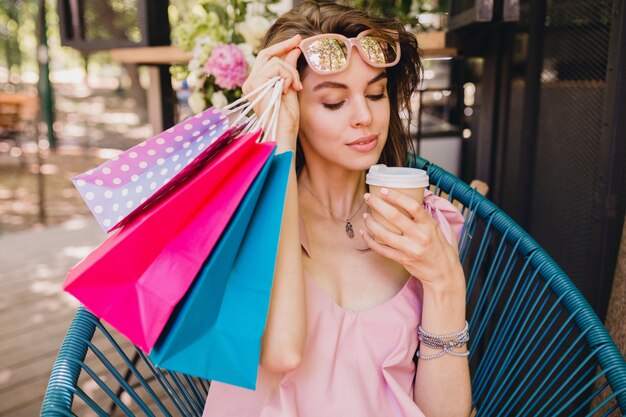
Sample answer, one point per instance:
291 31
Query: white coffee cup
409 181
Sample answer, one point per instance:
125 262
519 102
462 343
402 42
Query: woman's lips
365 144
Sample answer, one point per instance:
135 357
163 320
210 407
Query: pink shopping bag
126 183
136 277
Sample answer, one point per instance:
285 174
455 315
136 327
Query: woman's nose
362 113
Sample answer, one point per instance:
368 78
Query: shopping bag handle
268 121
269 118
275 99
244 103
246 97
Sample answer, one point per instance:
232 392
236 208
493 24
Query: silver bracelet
420 330
440 354
445 343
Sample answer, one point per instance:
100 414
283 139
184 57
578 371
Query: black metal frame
153 24
530 116
485 156
168 97
609 210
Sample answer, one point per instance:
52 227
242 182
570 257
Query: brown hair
313 17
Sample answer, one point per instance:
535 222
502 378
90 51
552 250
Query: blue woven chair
537 348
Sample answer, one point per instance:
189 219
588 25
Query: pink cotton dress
354 364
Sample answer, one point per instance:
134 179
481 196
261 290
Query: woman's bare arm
442 385
284 338
285 333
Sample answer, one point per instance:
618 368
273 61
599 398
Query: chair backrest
537 348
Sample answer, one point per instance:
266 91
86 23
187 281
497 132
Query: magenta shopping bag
135 278
127 183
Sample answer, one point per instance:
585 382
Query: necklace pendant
349 230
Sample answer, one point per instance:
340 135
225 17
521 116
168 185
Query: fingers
390 212
379 248
380 233
406 203
420 227
278 49
288 72
279 59
291 59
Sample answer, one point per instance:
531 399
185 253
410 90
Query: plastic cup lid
396 177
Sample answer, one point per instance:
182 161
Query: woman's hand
279 59
420 247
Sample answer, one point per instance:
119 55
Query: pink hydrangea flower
228 65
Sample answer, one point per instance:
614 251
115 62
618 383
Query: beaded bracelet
445 342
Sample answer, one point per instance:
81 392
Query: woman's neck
338 189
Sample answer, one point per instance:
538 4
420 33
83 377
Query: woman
342 330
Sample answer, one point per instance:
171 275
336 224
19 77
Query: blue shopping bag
217 329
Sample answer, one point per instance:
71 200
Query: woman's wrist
443 311
441 297
286 141
452 282
444 304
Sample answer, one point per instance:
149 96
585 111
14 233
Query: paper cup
409 181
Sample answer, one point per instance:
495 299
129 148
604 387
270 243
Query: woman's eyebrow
383 74
333 84
329 84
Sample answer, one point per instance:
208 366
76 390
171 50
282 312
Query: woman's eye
377 97
333 106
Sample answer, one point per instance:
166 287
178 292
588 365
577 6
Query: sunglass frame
349 42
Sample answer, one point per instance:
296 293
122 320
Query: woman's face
344 117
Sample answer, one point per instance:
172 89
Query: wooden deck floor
34 312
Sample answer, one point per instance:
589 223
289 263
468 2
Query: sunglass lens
327 55
378 50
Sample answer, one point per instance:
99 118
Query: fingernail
366 196
365 215
384 191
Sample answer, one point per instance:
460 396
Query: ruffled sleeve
447 216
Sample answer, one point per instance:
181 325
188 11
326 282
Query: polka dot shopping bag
130 182
126 183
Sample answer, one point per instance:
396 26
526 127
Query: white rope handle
265 86
270 111
259 123
273 123
243 109
268 120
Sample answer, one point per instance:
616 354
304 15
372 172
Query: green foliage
406 11
19 37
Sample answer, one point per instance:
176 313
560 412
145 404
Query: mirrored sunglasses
330 53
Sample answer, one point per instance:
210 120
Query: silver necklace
349 229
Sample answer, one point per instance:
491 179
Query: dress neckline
359 312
